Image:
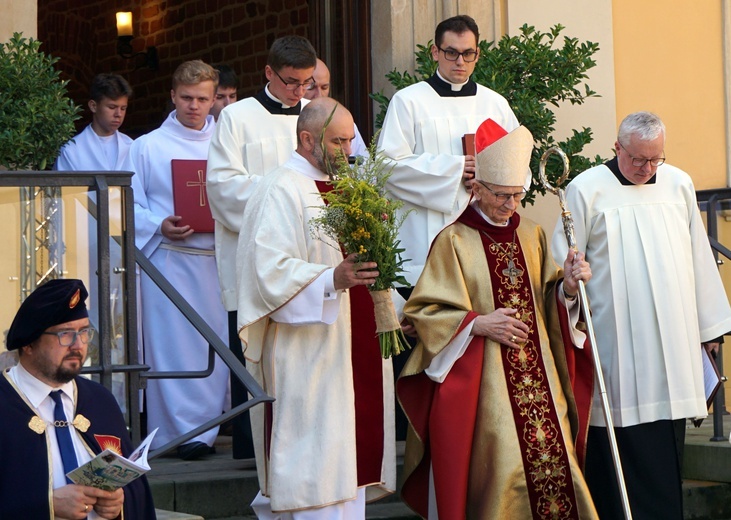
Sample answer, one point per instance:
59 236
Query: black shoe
193 450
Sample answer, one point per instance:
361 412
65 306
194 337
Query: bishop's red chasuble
496 433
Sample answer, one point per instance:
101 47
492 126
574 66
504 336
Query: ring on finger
513 338
86 507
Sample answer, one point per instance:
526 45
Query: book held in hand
189 194
468 144
110 470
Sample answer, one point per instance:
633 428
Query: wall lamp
125 34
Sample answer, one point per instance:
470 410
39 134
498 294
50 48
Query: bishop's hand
501 326
575 268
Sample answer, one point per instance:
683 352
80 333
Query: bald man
330 444
321 88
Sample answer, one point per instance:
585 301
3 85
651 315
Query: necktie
63 435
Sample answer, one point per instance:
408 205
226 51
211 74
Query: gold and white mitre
503 158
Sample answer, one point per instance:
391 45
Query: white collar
300 164
488 219
455 86
273 97
36 390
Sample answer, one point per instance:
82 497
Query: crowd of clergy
504 417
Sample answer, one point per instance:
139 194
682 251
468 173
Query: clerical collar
274 106
446 89
476 207
613 166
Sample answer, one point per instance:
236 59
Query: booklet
109 470
712 381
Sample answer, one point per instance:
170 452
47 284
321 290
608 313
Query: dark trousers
651 456
243 446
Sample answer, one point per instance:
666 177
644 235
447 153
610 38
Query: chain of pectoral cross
511 271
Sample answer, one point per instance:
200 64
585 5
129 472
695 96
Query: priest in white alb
657 300
306 321
422 134
186 258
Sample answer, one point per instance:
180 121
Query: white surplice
655 293
296 332
176 406
91 152
422 133
249 142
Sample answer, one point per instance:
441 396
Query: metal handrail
99 183
709 201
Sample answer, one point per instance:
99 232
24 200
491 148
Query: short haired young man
186 258
252 138
227 90
100 146
422 133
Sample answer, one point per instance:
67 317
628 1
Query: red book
468 144
189 194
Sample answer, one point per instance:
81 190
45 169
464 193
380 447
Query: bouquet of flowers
363 220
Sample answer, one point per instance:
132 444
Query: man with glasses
422 133
657 300
483 387
53 420
252 138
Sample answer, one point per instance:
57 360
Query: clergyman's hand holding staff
568 228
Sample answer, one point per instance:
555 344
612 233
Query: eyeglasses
293 85
639 163
468 56
502 198
66 338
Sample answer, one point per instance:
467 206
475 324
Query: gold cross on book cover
189 194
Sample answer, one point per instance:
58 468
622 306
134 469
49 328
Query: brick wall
237 33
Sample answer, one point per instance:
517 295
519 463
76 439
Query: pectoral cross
202 188
512 272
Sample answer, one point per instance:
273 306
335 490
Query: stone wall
238 34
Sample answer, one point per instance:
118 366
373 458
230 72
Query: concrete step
174 515
220 488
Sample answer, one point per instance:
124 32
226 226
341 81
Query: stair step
174 515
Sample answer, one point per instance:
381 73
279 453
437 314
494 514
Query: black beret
54 302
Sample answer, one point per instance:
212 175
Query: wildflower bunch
363 220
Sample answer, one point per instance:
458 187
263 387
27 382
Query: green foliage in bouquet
532 71
36 115
363 220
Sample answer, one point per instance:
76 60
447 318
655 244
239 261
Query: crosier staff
568 228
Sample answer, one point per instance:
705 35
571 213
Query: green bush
532 71
36 116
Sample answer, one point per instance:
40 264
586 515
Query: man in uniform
53 419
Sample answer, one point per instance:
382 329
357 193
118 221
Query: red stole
367 381
443 415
